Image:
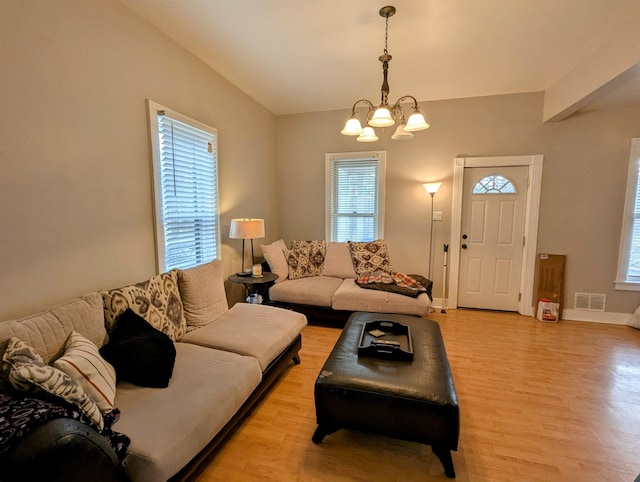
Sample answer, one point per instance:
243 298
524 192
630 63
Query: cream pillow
338 262
274 253
202 291
84 365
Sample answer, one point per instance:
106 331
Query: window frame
330 161
494 190
633 177
153 109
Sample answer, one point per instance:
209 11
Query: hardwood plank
538 402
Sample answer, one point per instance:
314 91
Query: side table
257 284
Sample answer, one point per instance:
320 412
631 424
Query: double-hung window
184 156
354 194
628 277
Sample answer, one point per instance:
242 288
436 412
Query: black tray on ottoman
394 343
418 398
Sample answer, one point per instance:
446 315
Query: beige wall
75 174
585 165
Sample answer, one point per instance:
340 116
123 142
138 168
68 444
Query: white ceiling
297 56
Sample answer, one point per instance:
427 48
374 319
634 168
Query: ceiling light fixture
385 115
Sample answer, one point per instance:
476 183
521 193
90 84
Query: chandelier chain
386 35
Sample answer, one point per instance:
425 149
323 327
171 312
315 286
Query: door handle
464 236
464 246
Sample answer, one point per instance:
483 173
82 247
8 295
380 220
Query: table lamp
246 228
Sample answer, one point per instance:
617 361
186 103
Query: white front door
492 232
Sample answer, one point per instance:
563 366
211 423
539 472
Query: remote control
385 342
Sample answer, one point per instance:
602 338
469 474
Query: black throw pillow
139 353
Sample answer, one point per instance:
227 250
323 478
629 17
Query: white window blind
633 272
628 277
186 190
355 196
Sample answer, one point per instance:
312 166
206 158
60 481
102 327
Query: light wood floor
538 402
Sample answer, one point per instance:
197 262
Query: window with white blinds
184 155
354 191
628 277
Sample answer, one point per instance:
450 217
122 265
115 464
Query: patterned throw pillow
298 261
29 372
82 363
317 254
157 300
370 256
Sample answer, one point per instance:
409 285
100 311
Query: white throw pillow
84 365
274 253
338 262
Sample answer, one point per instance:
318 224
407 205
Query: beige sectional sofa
333 292
225 359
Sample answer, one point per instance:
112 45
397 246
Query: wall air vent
590 301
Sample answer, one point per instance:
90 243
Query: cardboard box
549 283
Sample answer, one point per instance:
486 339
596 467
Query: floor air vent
590 301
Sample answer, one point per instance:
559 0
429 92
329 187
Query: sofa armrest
63 449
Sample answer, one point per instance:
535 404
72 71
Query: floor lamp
246 228
432 189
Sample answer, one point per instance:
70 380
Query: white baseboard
573 315
596 316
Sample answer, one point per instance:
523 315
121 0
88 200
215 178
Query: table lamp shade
246 228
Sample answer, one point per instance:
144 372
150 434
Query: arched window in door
494 185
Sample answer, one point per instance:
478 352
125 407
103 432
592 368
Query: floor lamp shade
246 228
432 187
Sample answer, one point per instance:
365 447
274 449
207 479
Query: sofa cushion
316 291
48 331
157 300
317 253
139 353
202 293
260 331
349 296
167 427
83 364
338 262
274 255
370 256
298 261
29 372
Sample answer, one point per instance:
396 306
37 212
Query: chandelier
385 115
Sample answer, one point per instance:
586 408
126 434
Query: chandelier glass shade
385 115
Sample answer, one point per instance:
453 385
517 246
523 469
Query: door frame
532 212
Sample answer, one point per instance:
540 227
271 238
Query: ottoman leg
321 432
444 455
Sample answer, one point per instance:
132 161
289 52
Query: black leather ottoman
414 401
